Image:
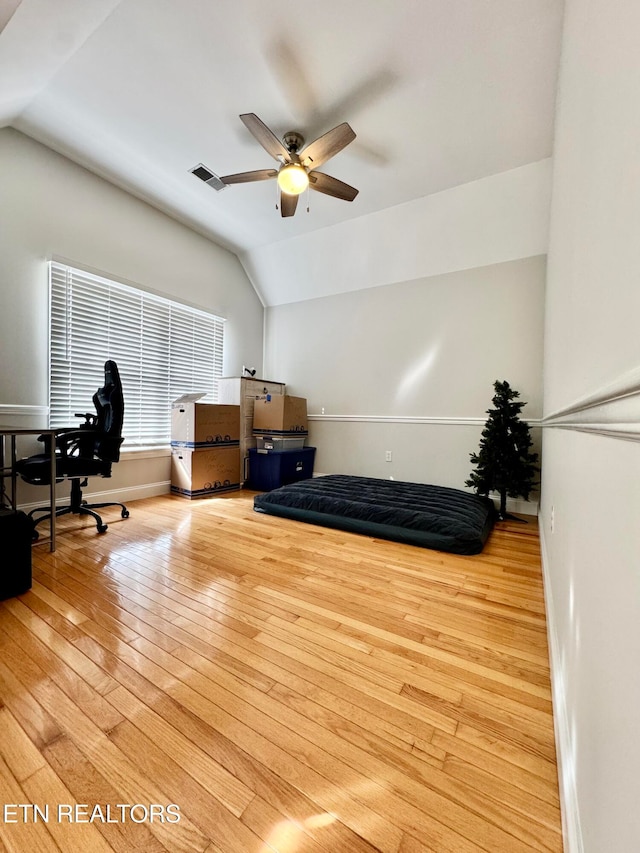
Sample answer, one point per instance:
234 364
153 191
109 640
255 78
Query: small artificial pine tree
504 462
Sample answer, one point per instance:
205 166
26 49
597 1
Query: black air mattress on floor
416 514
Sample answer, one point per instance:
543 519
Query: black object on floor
435 517
16 531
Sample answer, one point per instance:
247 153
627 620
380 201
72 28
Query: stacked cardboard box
280 415
280 426
205 447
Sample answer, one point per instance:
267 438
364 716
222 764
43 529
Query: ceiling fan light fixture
293 179
294 175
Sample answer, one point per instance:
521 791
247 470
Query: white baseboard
518 506
130 493
571 827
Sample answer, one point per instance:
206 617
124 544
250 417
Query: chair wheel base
79 506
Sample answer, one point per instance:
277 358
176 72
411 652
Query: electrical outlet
322 411
387 456
552 519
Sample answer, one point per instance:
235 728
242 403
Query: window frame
163 347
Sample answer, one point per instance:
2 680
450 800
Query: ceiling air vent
208 177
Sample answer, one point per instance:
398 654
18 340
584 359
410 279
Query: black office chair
85 451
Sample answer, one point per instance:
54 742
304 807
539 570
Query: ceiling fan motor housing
293 141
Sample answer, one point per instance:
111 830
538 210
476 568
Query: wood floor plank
211 776
19 834
20 754
273 785
213 820
414 644
278 832
521 777
44 786
58 643
87 785
260 776
324 751
290 687
31 656
34 719
112 763
491 742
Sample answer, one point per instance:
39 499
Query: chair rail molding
613 410
411 419
17 410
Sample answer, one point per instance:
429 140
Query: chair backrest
109 403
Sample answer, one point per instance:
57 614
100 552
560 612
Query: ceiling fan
298 165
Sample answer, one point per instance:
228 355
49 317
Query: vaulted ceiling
439 92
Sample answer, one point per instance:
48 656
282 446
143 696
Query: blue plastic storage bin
270 469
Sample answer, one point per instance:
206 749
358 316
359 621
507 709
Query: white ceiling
439 93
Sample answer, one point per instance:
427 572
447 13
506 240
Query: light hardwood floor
288 687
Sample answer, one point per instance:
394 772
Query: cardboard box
280 414
202 473
195 424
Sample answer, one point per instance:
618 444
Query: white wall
51 207
591 483
499 218
410 367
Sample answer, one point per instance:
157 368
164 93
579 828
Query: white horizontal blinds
162 348
60 364
195 352
154 397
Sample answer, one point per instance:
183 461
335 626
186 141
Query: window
163 349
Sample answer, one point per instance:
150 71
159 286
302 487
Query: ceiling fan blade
265 137
246 177
331 186
327 146
288 204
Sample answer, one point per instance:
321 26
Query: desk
9 471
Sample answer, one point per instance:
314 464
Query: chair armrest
70 440
90 419
44 438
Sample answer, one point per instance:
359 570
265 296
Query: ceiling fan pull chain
307 198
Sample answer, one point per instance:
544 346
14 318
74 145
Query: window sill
133 453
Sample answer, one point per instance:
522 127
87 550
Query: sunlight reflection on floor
286 835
